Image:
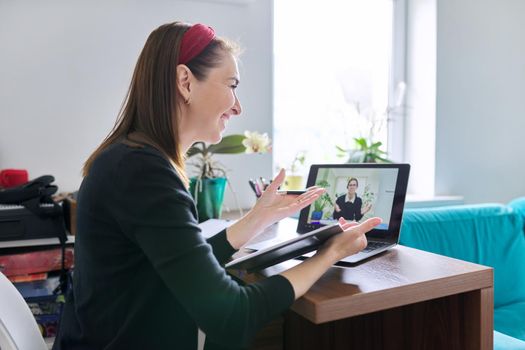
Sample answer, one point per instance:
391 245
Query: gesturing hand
366 209
272 206
351 241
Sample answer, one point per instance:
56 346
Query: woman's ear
184 80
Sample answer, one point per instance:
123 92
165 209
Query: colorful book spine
35 262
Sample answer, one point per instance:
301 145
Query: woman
349 206
145 278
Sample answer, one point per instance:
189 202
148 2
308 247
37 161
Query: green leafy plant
321 203
202 154
365 151
368 196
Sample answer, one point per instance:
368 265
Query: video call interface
354 194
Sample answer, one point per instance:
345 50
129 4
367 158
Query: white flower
256 143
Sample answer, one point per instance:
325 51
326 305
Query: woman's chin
215 139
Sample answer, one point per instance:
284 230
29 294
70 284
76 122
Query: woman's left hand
270 208
274 206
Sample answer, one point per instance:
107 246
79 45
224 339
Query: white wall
65 67
480 130
420 123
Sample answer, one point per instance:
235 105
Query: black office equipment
28 211
18 223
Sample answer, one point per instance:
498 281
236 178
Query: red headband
194 41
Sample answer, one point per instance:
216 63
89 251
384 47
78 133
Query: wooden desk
402 299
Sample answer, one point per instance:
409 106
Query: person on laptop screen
349 205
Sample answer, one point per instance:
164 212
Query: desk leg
270 337
456 322
480 328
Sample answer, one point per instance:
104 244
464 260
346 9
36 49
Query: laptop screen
356 192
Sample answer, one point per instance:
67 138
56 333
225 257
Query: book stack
35 271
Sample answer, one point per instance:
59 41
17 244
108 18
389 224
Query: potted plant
321 203
368 196
208 186
365 151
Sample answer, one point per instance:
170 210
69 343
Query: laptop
356 192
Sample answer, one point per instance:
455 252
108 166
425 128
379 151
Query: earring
187 101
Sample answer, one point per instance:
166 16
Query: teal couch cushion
487 234
505 342
510 319
519 206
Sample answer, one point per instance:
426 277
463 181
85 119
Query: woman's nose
237 109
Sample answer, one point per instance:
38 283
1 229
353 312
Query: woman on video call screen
354 194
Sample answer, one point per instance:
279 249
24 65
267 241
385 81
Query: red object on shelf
13 177
40 276
35 262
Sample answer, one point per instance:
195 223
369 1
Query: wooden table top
397 277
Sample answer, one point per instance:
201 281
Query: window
334 69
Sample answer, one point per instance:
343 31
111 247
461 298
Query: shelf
35 242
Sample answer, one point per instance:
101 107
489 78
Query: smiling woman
145 278
209 103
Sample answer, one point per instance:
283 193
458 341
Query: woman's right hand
348 242
351 241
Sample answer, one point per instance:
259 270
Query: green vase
208 196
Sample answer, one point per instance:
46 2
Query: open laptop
356 192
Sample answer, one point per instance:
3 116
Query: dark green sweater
145 278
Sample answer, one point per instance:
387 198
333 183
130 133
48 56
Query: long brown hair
151 104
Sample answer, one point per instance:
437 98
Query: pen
261 184
254 187
258 191
264 183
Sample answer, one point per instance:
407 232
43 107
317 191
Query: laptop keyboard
375 245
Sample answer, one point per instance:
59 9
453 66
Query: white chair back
18 328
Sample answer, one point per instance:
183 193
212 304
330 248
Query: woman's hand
366 209
351 241
270 208
273 206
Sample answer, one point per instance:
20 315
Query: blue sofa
486 234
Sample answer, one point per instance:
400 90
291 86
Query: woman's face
213 101
352 187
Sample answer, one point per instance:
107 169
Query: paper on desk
211 227
265 244
287 228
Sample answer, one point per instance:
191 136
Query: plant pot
208 195
316 215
